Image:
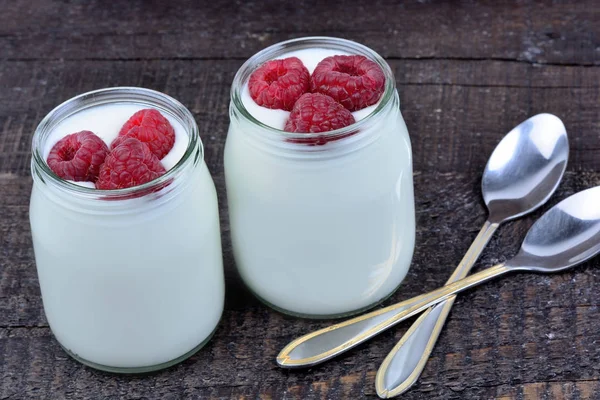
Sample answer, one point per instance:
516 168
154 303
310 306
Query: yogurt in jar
277 118
327 230
131 279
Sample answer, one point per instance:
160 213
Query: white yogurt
129 284
325 233
106 122
277 118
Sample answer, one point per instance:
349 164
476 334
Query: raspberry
354 81
129 164
279 83
315 112
153 129
78 156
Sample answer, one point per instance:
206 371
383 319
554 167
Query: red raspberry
154 130
315 112
354 81
78 156
129 164
279 83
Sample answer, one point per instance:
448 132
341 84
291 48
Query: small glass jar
131 279
321 227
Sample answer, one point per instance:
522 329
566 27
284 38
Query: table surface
467 72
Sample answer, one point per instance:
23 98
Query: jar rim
113 95
280 48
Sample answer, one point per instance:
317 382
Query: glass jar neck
148 195
324 144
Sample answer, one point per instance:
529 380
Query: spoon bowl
512 187
566 235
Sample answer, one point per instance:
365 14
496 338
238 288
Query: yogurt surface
106 121
277 118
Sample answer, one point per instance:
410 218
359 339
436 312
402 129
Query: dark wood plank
528 31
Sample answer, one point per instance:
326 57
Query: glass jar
321 227
131 279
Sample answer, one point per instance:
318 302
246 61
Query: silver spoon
542 140
522 173
566 235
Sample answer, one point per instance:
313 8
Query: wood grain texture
557 32
467 72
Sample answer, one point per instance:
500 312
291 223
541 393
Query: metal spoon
507 185
567 235
521 175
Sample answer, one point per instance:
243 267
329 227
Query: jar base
140 370
325 316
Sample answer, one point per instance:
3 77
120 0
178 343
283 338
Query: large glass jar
322 227
131 279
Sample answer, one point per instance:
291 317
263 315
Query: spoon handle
404 364
327 343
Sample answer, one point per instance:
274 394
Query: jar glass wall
131 279
325 227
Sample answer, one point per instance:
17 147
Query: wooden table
467 73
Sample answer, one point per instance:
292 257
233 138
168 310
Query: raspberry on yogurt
131 163
315 113
278 84
151 128
354 81
78 156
